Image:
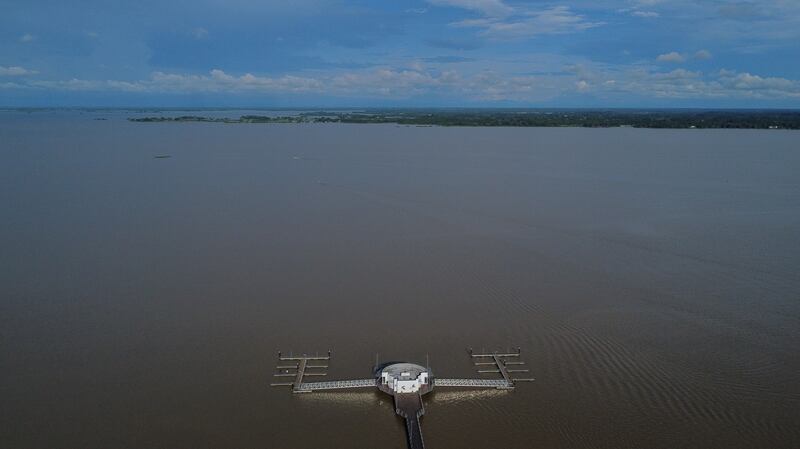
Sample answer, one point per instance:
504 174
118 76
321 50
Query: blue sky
306 53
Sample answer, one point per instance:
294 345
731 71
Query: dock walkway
473 383
307 387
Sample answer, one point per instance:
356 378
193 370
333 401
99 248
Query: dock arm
500 384
414 431
409 406
308 387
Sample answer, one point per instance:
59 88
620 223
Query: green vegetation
746 119
242 119
183 118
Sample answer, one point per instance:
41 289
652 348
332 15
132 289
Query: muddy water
650 277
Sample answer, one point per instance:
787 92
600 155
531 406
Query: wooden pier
407 382
500 384
307 387
499 362
409 406
299 371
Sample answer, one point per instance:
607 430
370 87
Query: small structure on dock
406 382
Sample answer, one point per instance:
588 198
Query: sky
415 53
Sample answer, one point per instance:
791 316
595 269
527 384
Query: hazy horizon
422 107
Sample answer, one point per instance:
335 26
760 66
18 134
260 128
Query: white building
405 377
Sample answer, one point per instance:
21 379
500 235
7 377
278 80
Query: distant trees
766 119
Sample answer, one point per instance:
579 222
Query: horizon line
309 108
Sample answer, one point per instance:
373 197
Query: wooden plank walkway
307 387
500 362
409 406
501 384
301 370
503 371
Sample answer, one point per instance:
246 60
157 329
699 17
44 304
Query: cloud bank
396 83
16 71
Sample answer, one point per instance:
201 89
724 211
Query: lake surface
650 276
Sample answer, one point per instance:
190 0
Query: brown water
650 276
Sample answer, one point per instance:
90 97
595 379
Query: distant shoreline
555 118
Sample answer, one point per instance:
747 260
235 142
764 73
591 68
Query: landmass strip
687 119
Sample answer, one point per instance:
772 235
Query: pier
499 362
406 382
308 387
500 384
299 371
409 406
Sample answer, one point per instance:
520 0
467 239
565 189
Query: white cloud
16 71
502 21
672 56
381 82
90 85
492 8
753 23
682 83
741 11
757 85
492 86
199 33
219 81
677 83
556 20
375 83
9 85
416 10
27 37
677 75
647 2
645 14
703 54
417 81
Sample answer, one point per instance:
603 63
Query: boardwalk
409 406
307 387
473 383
